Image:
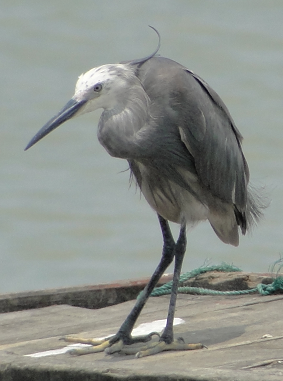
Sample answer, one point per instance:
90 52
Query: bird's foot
95 345
111 344
115 344
176 345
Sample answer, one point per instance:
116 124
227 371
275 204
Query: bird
185 153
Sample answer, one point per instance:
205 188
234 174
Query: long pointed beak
67 112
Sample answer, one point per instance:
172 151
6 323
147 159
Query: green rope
268 289
264 289
206 291
166 288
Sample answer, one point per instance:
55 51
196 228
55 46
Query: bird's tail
257 201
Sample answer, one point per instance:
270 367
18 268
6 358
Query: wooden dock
244 334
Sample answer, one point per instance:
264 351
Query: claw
91 349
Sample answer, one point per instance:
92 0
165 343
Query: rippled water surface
68 216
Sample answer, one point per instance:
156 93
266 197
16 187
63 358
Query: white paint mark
154 326
266 336
57 351
142 329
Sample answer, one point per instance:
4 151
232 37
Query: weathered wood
103 295
92 296
244 336
229 281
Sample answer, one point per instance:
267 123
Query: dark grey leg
123 336
180 249
167 341
168 251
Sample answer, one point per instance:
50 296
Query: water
67 215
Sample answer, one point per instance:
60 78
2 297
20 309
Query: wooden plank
103 295
90 296
230 281
243 335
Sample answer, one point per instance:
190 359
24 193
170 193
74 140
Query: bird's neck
119 128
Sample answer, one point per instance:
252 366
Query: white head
106 87
103 87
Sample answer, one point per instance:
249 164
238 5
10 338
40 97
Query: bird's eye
97 87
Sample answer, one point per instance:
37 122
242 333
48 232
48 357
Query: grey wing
210 135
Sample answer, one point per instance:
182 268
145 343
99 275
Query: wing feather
210 135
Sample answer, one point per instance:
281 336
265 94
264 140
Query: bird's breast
169 199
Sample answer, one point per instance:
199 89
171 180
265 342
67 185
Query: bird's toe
161 346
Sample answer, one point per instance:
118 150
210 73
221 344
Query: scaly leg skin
167 342
161 346
100 345
110 344
122 341
97 345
